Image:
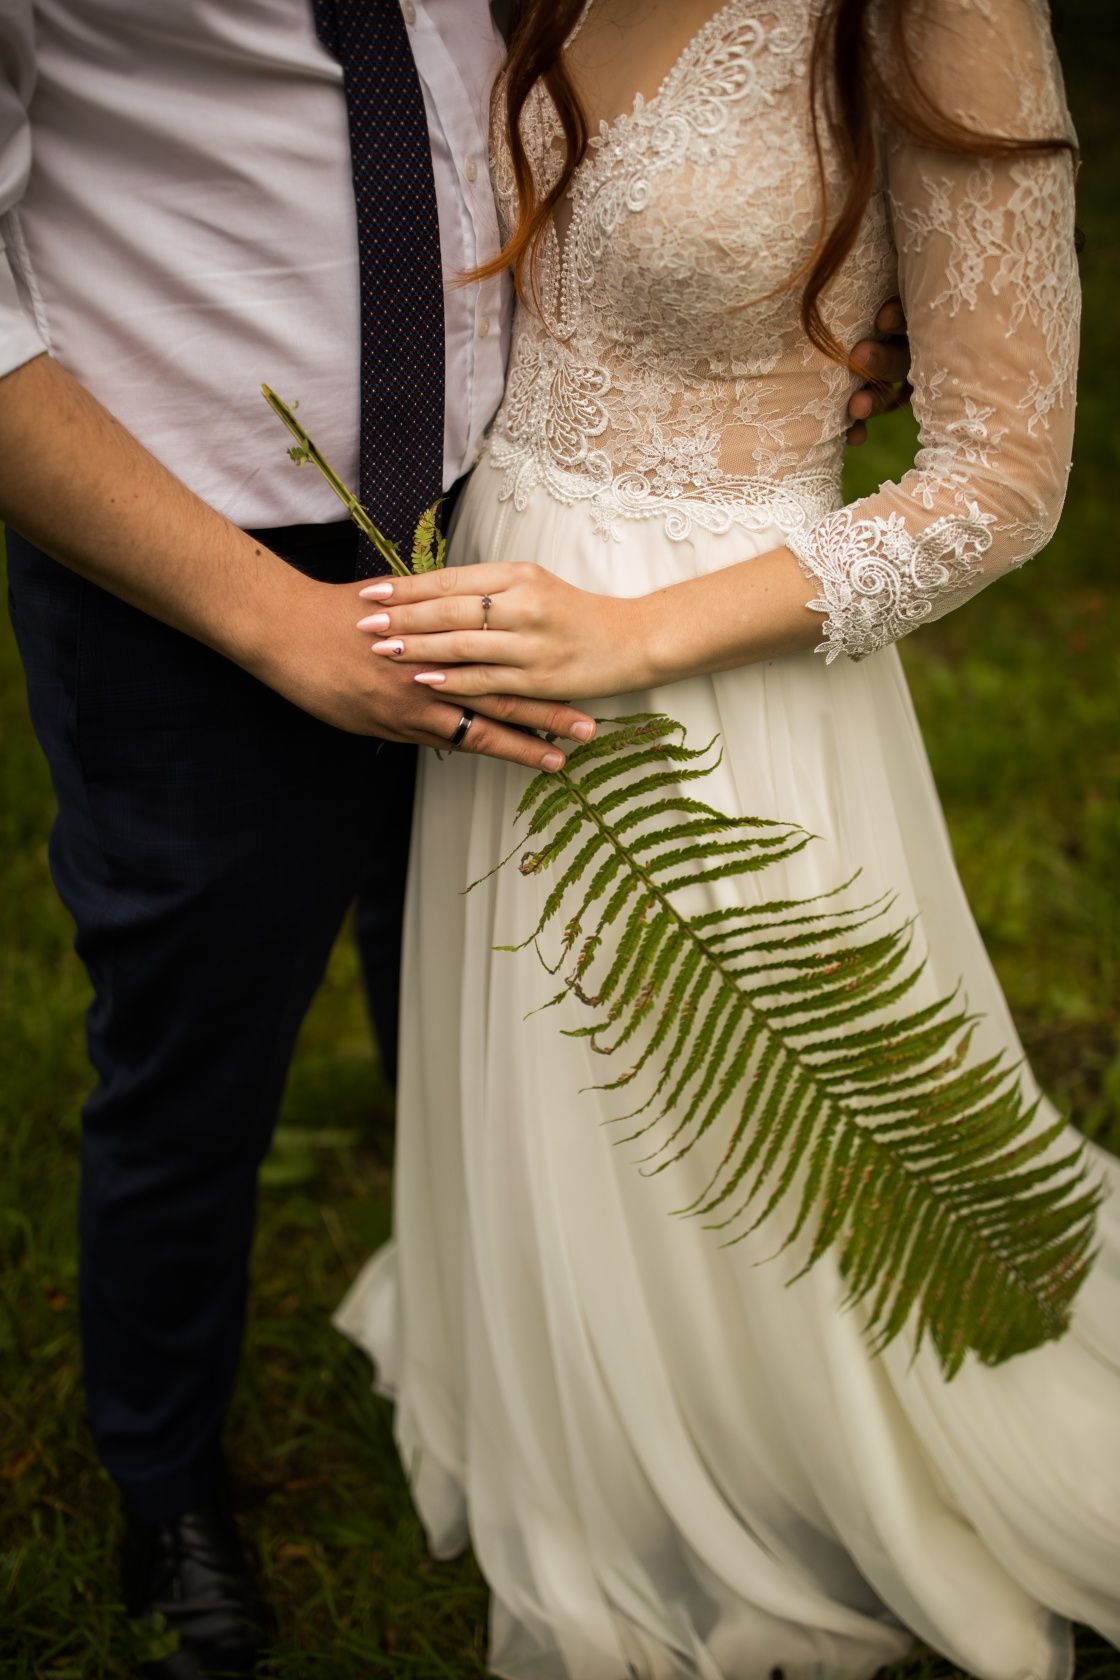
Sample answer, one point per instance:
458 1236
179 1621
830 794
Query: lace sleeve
988 277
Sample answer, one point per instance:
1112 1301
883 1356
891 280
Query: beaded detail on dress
667 375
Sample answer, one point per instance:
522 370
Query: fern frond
785 1024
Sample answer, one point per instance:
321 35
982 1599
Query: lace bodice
667 375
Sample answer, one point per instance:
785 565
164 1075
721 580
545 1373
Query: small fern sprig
920 1166
429 545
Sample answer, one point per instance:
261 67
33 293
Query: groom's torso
189 231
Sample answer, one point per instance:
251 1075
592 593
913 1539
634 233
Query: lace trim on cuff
878 582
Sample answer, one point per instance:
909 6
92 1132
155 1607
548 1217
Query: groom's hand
316 661
887 357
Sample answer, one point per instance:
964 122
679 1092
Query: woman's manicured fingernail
395 648
582 731
432 678
375 621
379 591
552 761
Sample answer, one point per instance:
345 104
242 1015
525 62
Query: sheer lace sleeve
988 277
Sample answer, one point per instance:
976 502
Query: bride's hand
509 628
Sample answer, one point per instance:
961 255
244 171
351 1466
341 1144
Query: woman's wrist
753 610
675 633
646 643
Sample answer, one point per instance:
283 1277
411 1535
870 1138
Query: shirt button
483 325
409 11
470 169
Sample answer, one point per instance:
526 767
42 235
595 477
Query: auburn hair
848 87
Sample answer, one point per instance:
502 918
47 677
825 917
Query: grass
1016 695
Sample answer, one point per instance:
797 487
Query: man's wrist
269 627
264 599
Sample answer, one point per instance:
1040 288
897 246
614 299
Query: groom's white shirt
178 225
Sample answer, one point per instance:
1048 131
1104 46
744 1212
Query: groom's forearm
75 482
81 487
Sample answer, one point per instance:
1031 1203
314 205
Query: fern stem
307 451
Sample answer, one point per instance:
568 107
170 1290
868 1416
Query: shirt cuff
20 338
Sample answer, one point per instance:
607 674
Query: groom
197 200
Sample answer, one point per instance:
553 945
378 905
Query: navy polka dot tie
402 335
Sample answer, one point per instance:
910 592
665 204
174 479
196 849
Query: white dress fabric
669 1464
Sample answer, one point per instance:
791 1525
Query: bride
669 1463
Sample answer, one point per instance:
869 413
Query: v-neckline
605 125
561 241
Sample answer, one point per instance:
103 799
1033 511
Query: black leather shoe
193 1573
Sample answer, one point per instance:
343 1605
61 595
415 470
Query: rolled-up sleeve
20 338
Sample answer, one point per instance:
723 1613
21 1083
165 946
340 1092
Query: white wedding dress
669 1464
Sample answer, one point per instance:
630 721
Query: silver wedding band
461 728
487 603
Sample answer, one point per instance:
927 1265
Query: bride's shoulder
990 65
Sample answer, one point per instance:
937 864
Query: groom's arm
82 488
75 482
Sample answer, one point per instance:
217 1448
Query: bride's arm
989 277
989 283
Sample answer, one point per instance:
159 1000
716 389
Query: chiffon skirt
668 1463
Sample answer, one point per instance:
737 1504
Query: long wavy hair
849 90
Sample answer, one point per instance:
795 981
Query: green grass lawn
1017 697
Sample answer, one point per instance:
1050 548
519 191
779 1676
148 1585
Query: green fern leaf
949 1211
428 542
